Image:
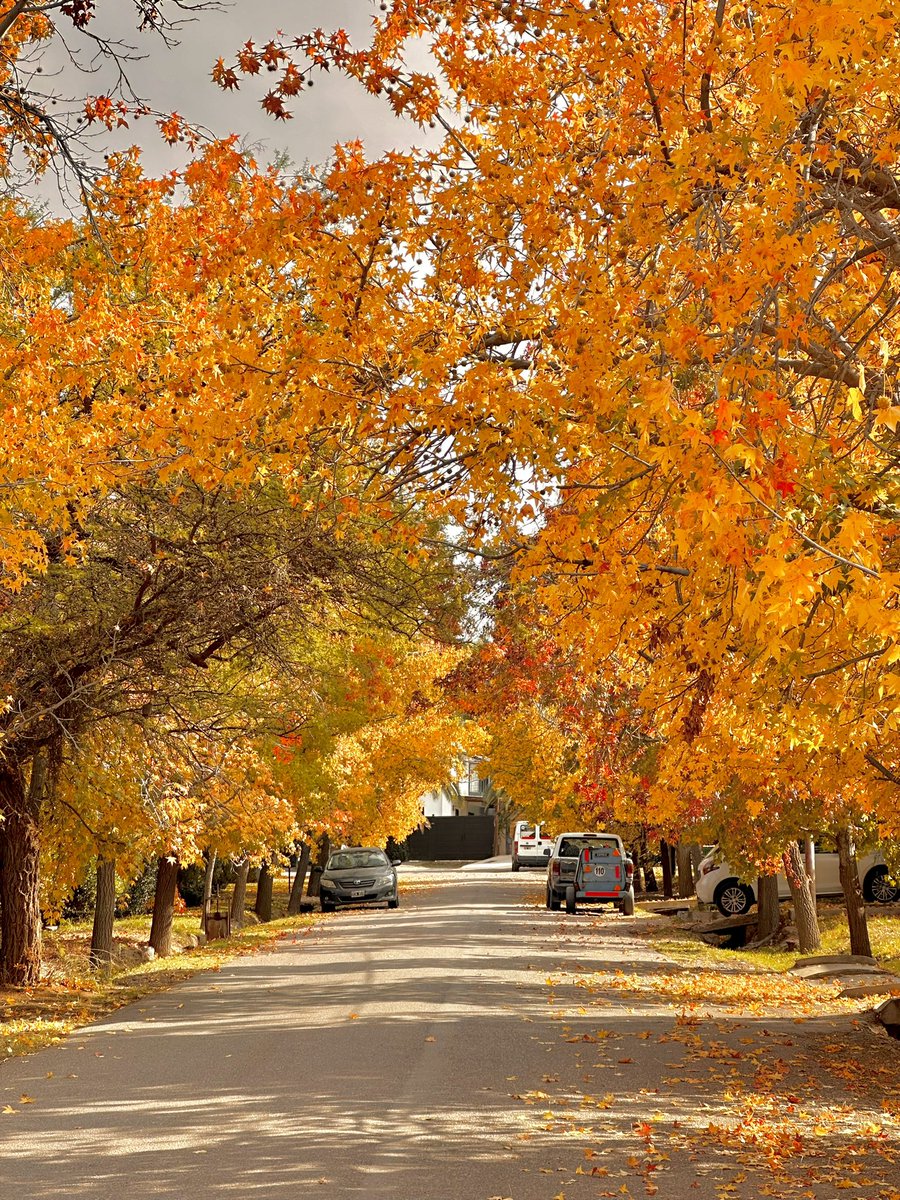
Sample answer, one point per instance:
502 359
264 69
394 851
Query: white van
531 848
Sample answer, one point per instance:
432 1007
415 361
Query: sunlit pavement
445 1051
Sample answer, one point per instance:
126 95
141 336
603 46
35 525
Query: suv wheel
878 887
733 898
626 908
571 907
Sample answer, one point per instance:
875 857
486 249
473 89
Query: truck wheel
552 900
627 905
570 899
732 898
515 864
878 887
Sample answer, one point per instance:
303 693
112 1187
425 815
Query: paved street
409 1054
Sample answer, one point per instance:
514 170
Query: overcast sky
333 110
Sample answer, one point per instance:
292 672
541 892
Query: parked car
719 885
590 868
359 875
531 846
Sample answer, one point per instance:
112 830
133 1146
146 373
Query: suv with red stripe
590 868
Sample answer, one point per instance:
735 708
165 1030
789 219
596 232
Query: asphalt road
385 1054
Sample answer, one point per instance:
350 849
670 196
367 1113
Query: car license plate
358 892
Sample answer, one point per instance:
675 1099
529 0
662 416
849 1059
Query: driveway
451 1050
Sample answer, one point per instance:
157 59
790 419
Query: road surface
420 1054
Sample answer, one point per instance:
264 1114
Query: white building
466 795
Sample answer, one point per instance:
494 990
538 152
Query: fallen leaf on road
431 1039
23 1099
8 1108
354 1016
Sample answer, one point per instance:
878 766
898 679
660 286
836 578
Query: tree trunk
239 895
296 897
321 859
20 910
164 905
650 884
853 897
666 853
805 917
207 887
809 861
263 906
104 913
767 907
685 870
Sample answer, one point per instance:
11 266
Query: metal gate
452 838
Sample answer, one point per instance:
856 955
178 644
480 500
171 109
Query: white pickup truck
530 847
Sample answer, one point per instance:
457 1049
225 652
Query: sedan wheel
879 888
395 903
732 898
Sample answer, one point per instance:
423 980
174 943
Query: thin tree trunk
805 917
666 853
768 909
696 859
650 884
104 913
296 897
321 859
263 906
809 861
853 897
164 905
685 870
20 910
239 895
207 887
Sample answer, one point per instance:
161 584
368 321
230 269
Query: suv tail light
629 871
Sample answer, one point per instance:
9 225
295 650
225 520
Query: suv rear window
572 847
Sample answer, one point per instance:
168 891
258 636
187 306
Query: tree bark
164 905
207 887
263 906
650 884
104 913
666 852
685 870
853 897
767 907
321 859
239 895
20 910
809 861
805 917
296 897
